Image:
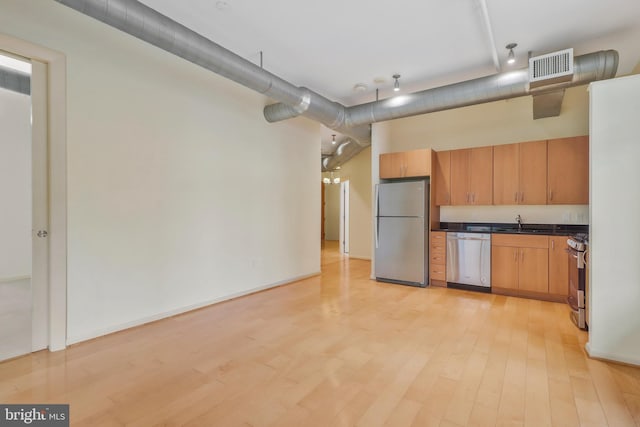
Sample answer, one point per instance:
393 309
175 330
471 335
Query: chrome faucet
519 221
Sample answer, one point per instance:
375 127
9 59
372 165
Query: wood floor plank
338 349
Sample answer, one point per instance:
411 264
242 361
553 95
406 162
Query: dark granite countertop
512 228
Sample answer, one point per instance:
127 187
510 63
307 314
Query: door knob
42 233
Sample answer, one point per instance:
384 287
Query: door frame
56 141
344 217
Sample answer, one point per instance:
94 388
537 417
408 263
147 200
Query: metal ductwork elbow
15 80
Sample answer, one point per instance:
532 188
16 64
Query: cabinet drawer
520 241
438 250
438 258
438 237
438 274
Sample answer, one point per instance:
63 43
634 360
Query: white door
40 211
344 217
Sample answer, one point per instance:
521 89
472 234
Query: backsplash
538 214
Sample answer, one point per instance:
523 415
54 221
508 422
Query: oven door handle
579 256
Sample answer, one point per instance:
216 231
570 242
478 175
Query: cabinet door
460 177
558 266
504 267
533 173
533 274
398 165
568 171
506 173
417 162
481 178
441 177
386 166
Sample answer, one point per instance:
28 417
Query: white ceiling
332 45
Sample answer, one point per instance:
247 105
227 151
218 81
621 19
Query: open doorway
335 214
344 217
18 163
45 221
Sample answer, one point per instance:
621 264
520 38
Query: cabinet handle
550 194
522 255
515 255
467 197
522 197
553 244
473 198
515 196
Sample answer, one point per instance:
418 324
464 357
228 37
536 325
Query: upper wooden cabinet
568 171
441 177
405 164
471 176
520 173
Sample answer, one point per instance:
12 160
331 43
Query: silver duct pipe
354 122
587 68
15 80
344 152
142 22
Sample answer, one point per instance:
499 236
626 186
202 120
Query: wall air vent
551 68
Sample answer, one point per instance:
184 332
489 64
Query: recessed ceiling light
222 5
360 87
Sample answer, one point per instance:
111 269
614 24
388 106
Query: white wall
15 185
614 298
331 211
179 192
495 123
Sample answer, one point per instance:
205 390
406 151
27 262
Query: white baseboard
127 325
14 279
603 355
360 257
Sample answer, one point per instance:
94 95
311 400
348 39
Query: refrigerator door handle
377 220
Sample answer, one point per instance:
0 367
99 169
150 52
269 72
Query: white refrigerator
401 230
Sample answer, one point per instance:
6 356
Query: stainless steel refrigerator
401 230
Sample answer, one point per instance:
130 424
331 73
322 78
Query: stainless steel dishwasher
469 261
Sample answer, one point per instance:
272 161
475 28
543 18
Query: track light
511 58
396 84
333 141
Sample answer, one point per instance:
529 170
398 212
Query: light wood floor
338 350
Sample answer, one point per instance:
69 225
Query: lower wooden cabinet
558 266
438 258
519 264
529 266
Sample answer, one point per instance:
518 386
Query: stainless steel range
577 247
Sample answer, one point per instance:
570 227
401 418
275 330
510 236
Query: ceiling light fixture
511 58
333 141
396 84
